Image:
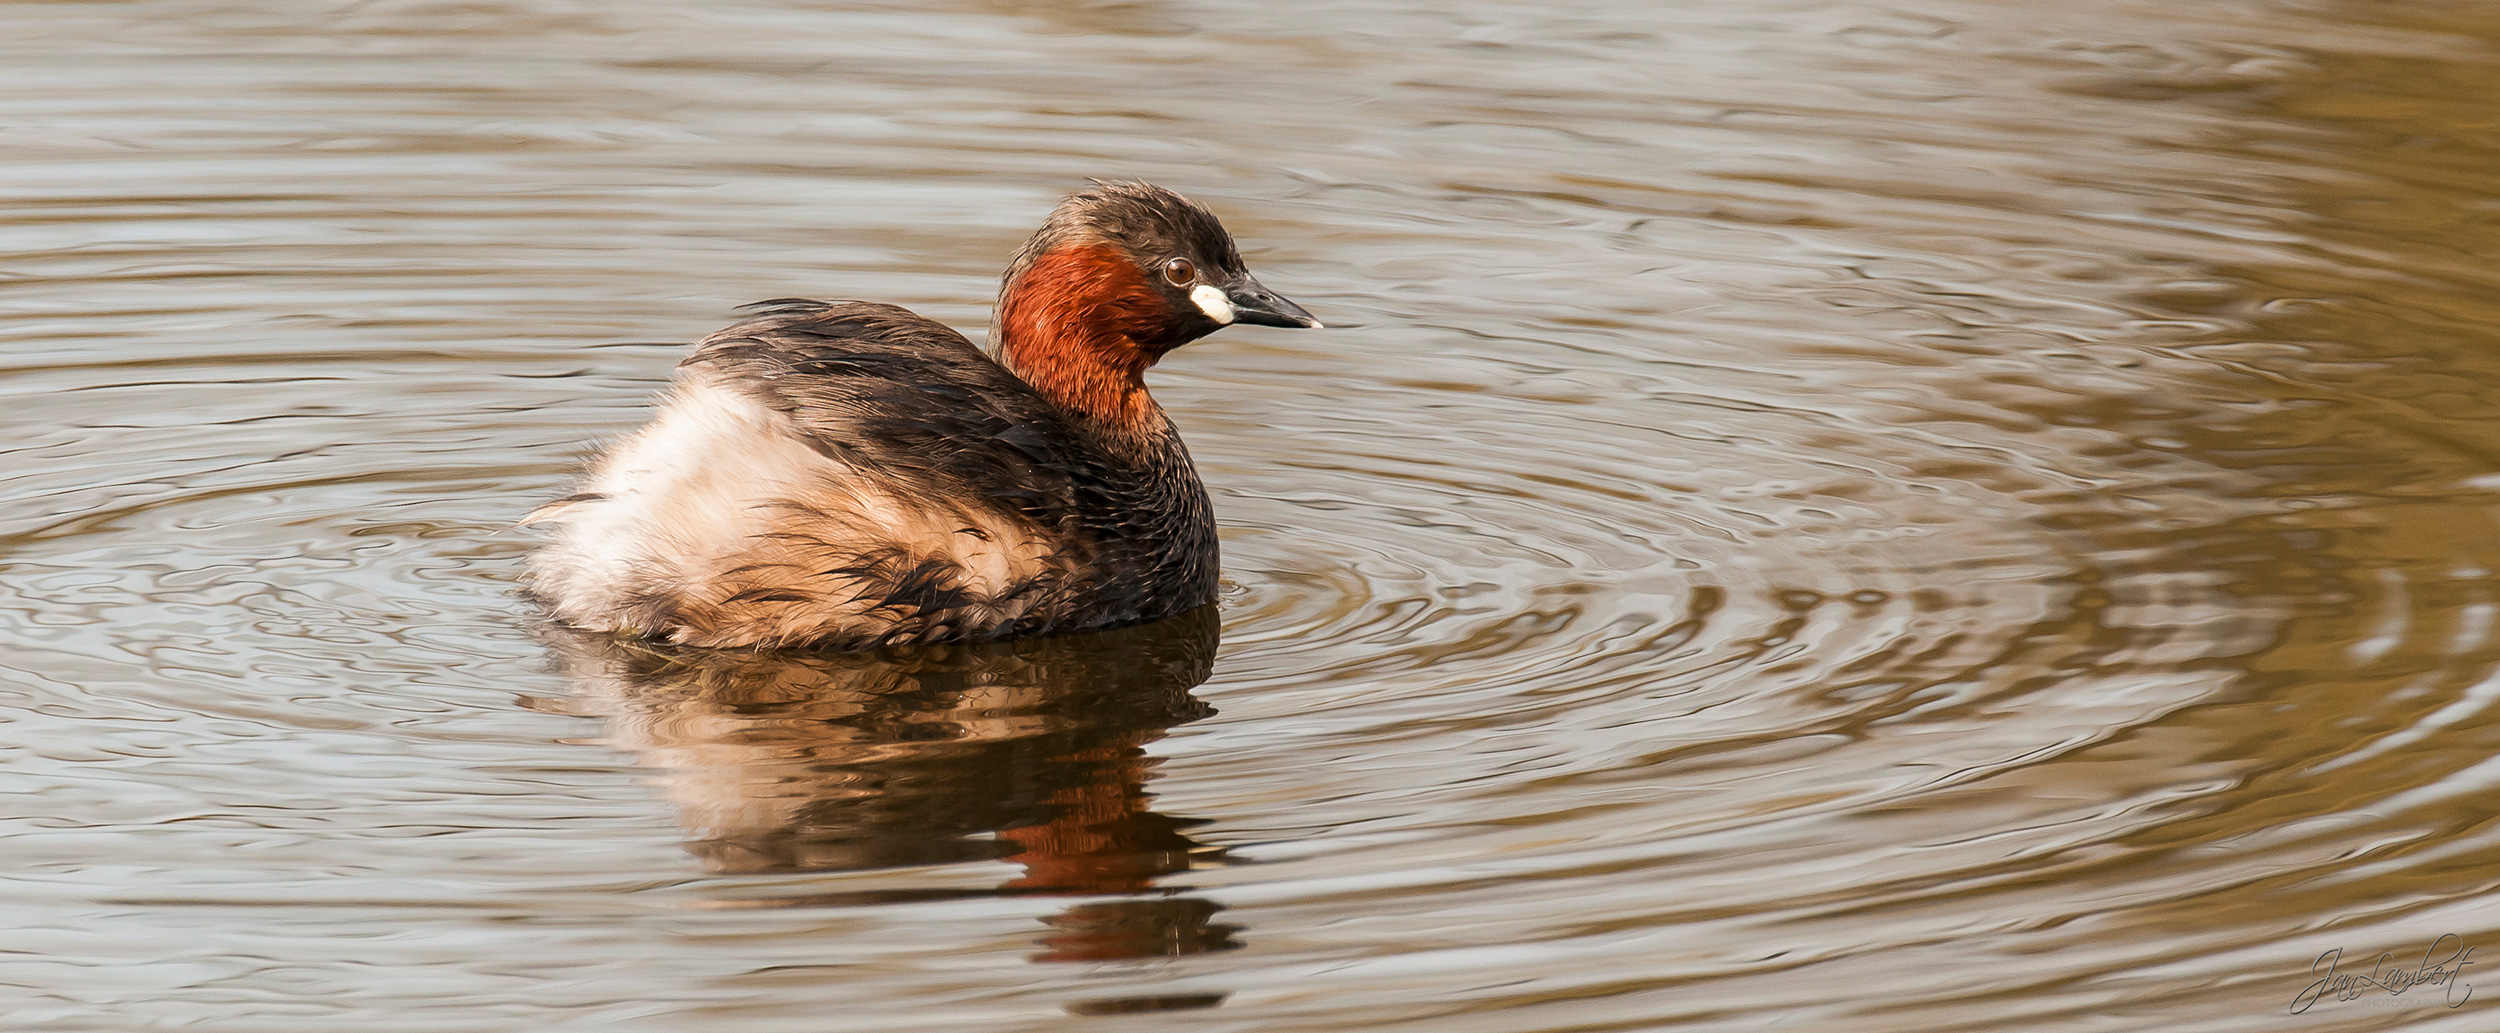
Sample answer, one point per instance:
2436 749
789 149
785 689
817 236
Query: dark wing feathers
900 397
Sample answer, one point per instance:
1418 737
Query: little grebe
848 474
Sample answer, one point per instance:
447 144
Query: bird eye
1180 272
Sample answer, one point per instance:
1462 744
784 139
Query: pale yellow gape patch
1211 300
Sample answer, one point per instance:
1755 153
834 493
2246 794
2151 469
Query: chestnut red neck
1081 325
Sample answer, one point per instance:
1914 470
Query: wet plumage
849 474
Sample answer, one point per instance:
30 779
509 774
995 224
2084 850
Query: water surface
1912 515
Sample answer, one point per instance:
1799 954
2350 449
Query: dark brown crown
1146 222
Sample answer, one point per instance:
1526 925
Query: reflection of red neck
1100 837
1073 326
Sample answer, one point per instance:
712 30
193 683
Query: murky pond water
1903 515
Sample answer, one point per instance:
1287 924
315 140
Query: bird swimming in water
845 474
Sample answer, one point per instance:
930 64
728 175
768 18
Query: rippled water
1908 515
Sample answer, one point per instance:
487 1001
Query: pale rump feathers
718 525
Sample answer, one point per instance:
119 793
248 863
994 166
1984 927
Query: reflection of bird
1031 752
849 474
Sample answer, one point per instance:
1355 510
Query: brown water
1908 515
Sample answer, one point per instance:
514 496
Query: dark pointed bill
1253 303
